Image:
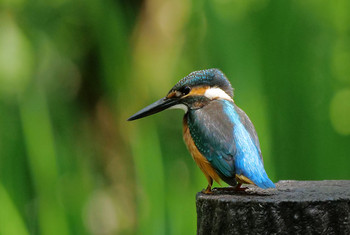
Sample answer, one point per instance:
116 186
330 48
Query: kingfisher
219 135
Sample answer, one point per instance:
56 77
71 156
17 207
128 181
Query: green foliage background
72 72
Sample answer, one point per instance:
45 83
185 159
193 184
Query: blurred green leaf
10 219
15 57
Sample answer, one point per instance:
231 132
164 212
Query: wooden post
295 207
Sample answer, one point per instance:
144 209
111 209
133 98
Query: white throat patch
217 93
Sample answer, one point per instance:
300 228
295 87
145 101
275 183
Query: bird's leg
208 189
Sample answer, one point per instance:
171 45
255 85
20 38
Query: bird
218 134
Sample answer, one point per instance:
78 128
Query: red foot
240 189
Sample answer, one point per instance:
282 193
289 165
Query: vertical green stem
10 219
42 162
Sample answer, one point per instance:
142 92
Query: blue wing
224 134
212 133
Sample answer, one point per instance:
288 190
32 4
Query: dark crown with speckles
208 77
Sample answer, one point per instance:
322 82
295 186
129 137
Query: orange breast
201 161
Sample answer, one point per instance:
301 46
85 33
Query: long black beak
156 107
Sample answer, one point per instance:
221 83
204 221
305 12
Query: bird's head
192 92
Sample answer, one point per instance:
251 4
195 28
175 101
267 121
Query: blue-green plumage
224 134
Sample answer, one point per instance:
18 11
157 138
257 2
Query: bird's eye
186 90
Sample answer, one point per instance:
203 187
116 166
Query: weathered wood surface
294 207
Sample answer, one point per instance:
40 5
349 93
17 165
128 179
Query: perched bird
219 135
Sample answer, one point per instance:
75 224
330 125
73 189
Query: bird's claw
207 190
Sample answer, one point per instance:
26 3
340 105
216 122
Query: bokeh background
72 72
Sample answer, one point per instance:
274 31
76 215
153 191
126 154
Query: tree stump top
294 207
286 190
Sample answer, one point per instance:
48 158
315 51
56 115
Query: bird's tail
255 172
263 181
